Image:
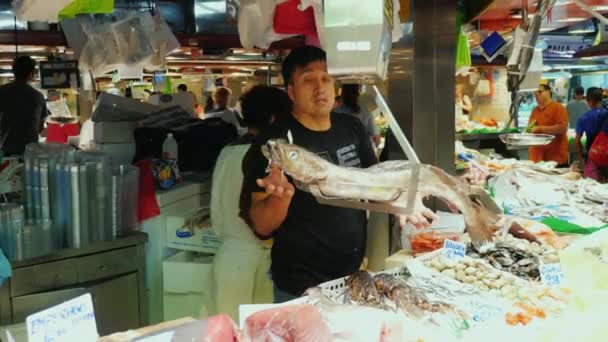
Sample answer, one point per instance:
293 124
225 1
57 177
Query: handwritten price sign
73 320
453 250
551 274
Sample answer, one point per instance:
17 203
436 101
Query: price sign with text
73 320
453 250
551 274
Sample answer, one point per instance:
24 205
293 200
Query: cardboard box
197 239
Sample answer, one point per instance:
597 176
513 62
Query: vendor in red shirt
550 118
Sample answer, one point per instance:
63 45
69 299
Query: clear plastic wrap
256 23
124 194
100 53
126 38
131 38
162 42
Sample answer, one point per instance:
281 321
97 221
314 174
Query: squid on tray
387 182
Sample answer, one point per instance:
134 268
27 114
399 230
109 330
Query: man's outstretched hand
421 216
276 184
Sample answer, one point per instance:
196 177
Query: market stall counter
113 272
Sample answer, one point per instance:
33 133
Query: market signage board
453 250
73 320
551 274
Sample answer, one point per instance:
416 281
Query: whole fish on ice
385 182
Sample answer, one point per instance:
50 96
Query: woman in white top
241 265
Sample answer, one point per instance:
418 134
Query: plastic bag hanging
256 23
39 10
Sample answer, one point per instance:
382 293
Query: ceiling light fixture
571 20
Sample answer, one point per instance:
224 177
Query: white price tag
73 320
551 274
453 250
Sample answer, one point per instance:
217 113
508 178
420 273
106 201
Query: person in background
590 124
549 117
240 249
462 101
22 109
182 88
338 102
260 106
209 105
577 106
221 97
350 105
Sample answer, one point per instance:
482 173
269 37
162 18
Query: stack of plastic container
11 228
41 192
125 190
75 197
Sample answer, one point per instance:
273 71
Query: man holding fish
313 243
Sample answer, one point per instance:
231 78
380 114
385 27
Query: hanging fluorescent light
519 16
571 20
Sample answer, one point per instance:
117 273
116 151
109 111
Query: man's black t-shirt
22 113
315 243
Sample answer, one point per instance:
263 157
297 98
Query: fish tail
480 224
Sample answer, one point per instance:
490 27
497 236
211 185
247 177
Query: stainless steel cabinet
111 271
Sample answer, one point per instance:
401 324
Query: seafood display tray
526 139
429 256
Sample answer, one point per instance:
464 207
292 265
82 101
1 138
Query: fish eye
292 155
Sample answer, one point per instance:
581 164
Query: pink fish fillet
292 323
221 328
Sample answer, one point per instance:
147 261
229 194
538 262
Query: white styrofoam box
198 240
122 154
187 272
180 305
185 189
179 199
113 132
187 285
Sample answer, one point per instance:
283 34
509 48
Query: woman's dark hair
350 97
300 58
262 103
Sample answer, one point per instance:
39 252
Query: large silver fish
384 182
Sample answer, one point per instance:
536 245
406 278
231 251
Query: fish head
296 161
